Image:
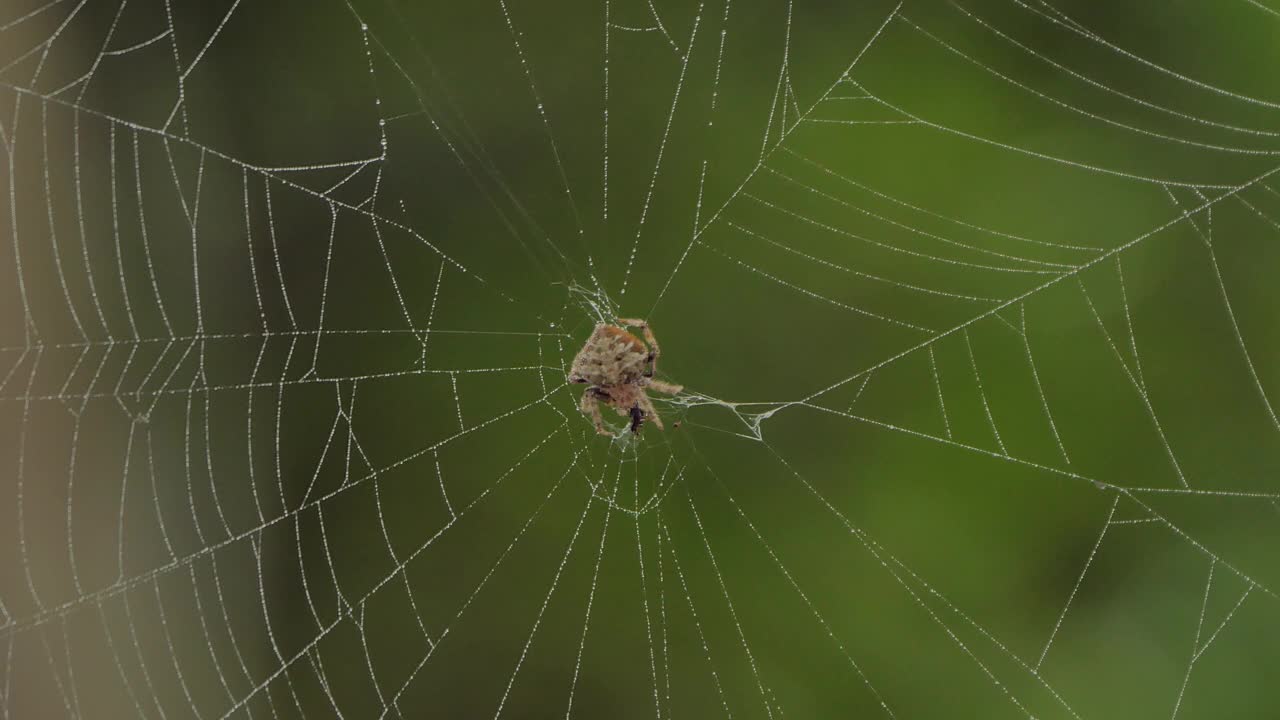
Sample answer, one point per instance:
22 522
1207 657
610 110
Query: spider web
972 303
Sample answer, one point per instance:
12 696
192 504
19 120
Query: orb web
970 302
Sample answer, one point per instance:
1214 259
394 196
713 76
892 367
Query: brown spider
619 367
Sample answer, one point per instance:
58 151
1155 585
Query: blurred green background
974 305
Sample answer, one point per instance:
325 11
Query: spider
618 367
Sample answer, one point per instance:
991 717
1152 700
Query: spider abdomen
612 356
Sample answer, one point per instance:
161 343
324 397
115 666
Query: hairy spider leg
654 351
665 388
645 404
590 406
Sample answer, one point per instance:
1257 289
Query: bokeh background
974 305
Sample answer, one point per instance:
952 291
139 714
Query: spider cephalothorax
618 367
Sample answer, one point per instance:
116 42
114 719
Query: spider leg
650 413
590 406
664 387
654 351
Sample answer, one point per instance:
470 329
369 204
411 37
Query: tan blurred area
96 602
60 479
